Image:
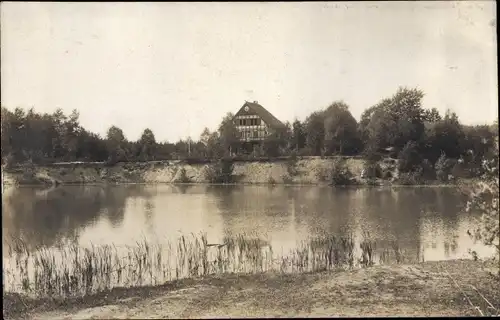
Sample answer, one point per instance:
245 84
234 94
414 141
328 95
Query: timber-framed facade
254 123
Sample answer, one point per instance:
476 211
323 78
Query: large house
254 124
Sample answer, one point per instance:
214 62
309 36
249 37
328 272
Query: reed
70 270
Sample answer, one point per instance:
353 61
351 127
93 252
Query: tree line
395 126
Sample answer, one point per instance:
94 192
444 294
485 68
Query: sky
179 67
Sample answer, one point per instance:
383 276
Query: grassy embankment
322 276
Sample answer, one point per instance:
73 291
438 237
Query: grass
73 271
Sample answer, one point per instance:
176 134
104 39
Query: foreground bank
447 288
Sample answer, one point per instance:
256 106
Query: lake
425 223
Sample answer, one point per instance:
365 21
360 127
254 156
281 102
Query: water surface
427 223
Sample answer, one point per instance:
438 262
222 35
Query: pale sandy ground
404 290
244 172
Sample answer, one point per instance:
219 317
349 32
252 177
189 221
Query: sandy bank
169 172
426 289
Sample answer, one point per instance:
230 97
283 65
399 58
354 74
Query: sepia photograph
249 159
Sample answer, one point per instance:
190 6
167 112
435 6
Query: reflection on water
427 223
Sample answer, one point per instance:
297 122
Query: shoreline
353 186
423 289
308 172
270 186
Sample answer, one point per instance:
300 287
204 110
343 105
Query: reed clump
70 270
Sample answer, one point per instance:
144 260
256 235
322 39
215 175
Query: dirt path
407 290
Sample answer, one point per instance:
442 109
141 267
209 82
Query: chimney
255 101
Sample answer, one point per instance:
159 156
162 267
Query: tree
409 158
215 149
181 149
189 146
444 167
315 133
286 136
432 115
92 147
205 136
116 144
477 143
6 135
395 121
444 136
483 198
272 144
341 134
164 150
115 134
71 130
147 145
366 117
407 112
228 134
298 135
375 125
59 119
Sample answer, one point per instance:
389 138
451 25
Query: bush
372 182
483 199
271 180
409 158
371 154
340 173
387 174
304 152
220 172
209 173
9 161
428 171
291 164
372 170
183 178
409 178
460 170
323 174
444 167
111 161
286 179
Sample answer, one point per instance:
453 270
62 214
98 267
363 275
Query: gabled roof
265 115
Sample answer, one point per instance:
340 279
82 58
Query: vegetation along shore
396 141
